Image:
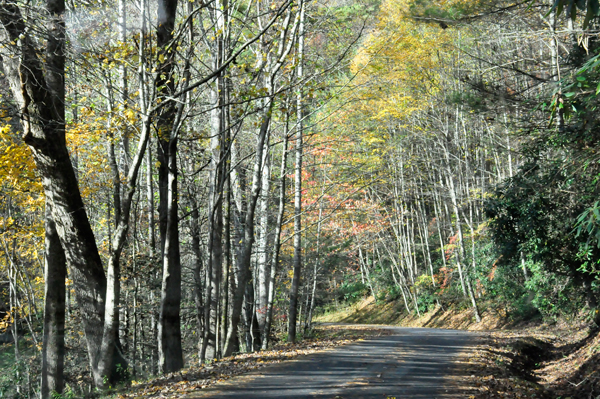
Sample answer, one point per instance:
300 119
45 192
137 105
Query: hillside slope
368 311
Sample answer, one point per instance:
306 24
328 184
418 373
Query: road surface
412 363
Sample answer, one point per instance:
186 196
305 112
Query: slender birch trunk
297 261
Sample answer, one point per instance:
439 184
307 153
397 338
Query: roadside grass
365 311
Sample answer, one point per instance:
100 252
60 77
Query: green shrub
352 291
426 301
393 293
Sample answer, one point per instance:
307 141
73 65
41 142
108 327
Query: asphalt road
412 363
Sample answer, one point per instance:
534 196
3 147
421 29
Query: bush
426 301
391 294
352 291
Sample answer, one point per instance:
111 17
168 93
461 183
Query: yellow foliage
396 73
396 65
21 213
17 167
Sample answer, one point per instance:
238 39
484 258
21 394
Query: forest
185 180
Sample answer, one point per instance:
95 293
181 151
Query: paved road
413 363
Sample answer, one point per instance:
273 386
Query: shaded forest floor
524 359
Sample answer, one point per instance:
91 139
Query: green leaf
593 10
588 17
530 5
573 9
598 89
558 5
569 94
561 4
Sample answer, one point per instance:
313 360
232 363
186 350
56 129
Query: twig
581 382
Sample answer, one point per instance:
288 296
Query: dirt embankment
555 362
525 360
368 311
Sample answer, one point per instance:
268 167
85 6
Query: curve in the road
412 363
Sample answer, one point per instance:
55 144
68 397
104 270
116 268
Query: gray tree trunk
276 245
215 209
297 261
247 241
170 354
53 347
38 89
263 265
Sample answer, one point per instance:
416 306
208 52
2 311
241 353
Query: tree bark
316 267
39 90
247 241
276 245
297 262
262 266
170 354
216 188
53 347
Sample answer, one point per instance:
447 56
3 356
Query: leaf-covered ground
536 363
202 376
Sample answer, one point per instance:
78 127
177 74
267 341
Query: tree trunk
263 265
53 349
247 241
297 262
41 98
276 245
170 354
460 253
316 268
215 209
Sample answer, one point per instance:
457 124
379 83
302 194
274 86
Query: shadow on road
412 363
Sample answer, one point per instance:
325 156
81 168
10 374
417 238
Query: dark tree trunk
40 96
169 325
53 348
